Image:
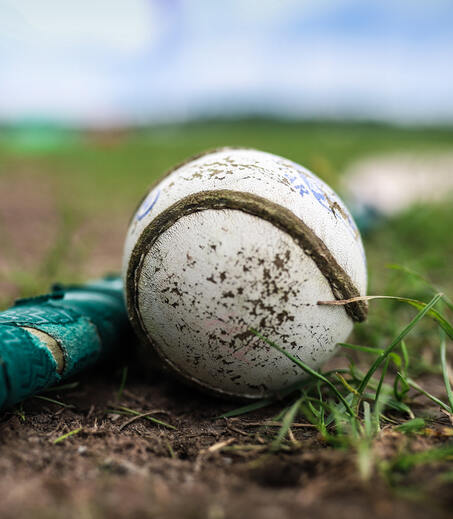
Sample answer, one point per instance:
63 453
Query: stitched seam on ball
339 281
154 354
180 165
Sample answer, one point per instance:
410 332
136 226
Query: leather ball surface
234 240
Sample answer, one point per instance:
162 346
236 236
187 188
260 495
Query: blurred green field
99 177
115 167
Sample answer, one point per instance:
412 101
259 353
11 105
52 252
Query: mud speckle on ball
234 240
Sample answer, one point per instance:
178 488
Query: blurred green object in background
30 136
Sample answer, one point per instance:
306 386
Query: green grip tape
46 339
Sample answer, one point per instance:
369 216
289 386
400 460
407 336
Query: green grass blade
367 419
443 362
53 401
427 308
418 388
401 407
411 426
419 305
400 395
406 461
308 370
298 386
67 435
122 383
335 410
364 349
405 365
434 314
133 412
287 421
421 278
346 384
381 380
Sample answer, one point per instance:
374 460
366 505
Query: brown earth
114 467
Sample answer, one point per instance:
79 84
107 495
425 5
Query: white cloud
120 26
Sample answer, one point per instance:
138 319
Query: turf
369 434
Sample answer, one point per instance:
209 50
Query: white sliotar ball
235 240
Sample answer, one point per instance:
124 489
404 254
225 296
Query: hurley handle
46 339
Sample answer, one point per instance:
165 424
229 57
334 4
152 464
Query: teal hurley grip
45 339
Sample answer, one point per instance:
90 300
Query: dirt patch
99 242
28 219
109 469
43 239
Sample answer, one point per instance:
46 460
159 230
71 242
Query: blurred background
98 98
104 63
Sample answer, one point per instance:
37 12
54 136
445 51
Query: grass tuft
348 406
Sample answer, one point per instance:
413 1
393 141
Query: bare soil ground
206 467
113 468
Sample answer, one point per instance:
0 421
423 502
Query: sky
103 62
